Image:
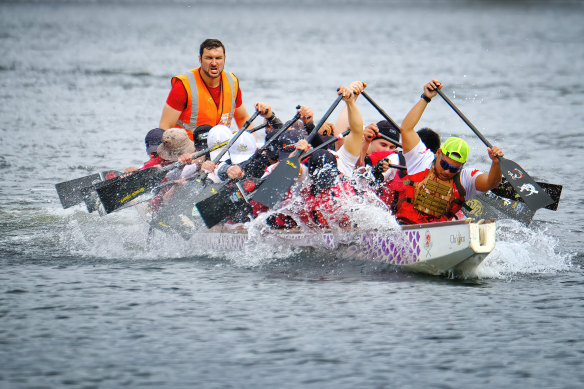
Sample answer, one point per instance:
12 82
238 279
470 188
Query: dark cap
430 138
200 136
153 139
287 143
322 168
387 129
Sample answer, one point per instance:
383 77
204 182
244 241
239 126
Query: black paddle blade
555 191
225 201
507 191
491 206
277 184
74 191
117 192
532 194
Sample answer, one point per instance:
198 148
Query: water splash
523 250
520 250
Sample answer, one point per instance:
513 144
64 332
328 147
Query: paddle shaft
281 131
319 125
387 138
325 144
324 118
385 116
464 118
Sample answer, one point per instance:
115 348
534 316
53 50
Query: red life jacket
386 192
424 198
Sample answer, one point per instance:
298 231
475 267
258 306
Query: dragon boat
453 248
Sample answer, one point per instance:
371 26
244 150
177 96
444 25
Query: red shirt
177 98
158 160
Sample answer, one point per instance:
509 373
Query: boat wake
519 250
522 250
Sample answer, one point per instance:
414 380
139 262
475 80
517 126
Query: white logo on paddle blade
528 188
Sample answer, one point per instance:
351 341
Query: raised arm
409 136
355 138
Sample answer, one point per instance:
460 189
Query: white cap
217 135
243 148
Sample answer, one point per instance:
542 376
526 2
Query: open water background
85 303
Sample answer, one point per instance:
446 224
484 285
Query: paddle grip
387 138
401 167
464 118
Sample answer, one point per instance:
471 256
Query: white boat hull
452 248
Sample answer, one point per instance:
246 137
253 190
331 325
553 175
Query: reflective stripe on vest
201 108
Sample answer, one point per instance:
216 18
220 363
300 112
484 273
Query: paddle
532 194
507 191
96 204
281 179
115 193
80 189
75 191
217 201
214 189
491 206
231 199
385 116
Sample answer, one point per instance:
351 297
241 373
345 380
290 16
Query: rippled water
86 302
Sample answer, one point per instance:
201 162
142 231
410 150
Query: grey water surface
86 302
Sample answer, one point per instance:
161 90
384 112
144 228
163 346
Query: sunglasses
446 166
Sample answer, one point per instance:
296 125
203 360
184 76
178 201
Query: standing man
205 95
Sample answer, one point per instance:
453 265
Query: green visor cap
456 149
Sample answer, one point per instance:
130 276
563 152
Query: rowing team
419 182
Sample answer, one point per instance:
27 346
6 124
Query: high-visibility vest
201 108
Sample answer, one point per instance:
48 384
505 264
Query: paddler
205 95
438 183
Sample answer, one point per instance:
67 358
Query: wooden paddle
115 193
532 194
281 179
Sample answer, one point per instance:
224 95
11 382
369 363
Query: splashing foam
521 250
